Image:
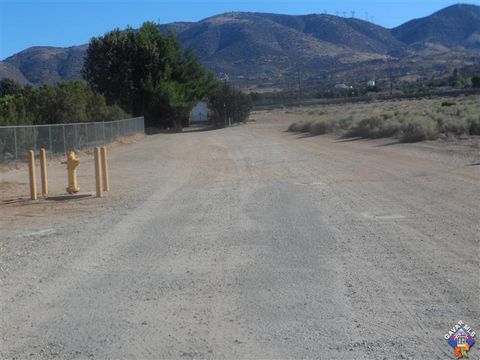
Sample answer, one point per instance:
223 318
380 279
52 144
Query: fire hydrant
72 163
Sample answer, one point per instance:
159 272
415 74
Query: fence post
105 177
64 141
31 173
76 137
50 138
43 172
96 135
15 140
98 172
103 128
34 139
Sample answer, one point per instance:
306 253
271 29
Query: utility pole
391 80
299 82
225 103
225 113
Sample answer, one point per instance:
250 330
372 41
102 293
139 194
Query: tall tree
66 102
9 87
228 102
476 81
147 73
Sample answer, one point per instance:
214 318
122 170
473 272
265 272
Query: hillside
256 45
49 65
279 50
452 27
11 72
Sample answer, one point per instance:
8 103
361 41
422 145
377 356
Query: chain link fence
15 141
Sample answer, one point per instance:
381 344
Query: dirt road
246 242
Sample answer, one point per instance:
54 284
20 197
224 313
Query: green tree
476 81
67 102
457 80
9 87
147 73
228 102
8 110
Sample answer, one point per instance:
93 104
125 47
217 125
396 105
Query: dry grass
407 120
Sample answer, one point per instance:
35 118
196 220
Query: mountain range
278 50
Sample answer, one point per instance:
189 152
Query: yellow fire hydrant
72 163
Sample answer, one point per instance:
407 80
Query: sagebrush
407 120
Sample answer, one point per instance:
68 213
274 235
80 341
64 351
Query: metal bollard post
43 172
98 172
105 177
31 171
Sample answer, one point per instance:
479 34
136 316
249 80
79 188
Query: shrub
302 126
367 128
449 103
320 127
387 115
345 123
292 127
419 129
390 128
453 126
474 125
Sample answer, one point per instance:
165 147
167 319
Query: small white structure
199 113
371 83
340 87
221 76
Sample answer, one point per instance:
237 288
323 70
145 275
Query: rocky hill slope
277 49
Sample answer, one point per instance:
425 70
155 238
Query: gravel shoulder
246 242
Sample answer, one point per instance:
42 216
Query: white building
371 83
342 87
199 113
221 76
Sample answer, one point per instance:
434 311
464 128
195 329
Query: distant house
342 87
221 76
199 113
371 83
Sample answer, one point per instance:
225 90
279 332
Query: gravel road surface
246 242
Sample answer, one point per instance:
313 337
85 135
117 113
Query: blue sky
66 23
